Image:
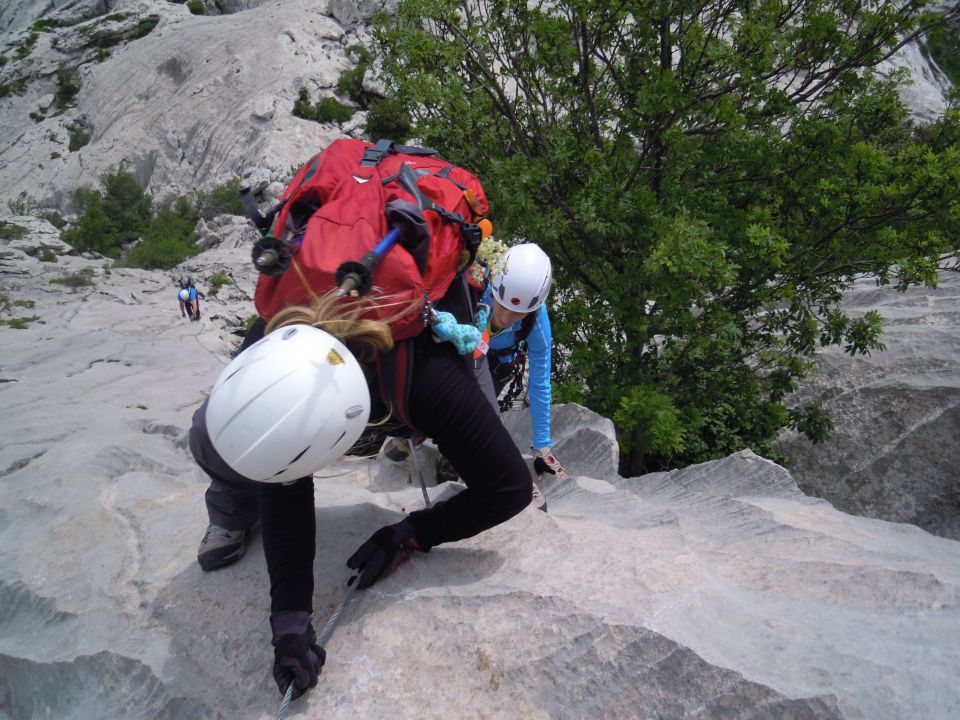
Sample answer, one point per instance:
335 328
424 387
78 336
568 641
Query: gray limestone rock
897 413
196 99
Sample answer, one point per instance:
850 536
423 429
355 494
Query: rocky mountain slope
717 591
183 101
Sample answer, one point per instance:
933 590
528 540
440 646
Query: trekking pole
416 465
353 276
321 640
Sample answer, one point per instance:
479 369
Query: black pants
446 404
233 501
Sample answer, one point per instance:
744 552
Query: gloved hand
383 552
546 461
465 338
296 656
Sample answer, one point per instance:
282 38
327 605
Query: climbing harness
515 395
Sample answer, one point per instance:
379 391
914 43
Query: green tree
168 240
224 198
93 229
126 204
110 217
708 177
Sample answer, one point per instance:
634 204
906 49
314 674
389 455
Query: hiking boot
221 547
538 501
398 449
445 471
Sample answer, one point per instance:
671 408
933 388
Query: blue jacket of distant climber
503 349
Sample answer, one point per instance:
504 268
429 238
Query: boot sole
211 561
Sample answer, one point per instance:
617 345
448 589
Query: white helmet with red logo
525 281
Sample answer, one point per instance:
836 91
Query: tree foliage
168 241
708 177
119 219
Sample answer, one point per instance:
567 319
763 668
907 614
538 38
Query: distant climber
194 299
186 307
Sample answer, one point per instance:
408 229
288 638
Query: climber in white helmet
519 335
518 338
294 399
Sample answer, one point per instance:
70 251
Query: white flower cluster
491 252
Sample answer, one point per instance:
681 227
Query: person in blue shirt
517 337
519 327
183 298
193 300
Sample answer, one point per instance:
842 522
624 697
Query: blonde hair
343 318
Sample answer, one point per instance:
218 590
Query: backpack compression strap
377 152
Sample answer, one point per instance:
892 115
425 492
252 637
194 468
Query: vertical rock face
184 101
897 413
715 591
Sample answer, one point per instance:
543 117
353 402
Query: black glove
383 552
296 656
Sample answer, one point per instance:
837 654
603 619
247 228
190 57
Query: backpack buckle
374 154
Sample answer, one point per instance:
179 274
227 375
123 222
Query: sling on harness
515 389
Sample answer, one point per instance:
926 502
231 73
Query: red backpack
333 212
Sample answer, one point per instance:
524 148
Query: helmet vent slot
299 456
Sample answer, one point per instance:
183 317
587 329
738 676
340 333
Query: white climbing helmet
525 281
184 295
288 405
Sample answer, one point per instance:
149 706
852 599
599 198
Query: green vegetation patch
68 85
102 38
47 255
78 138
388 118
217 281
79 279
196 7
144 27
17 86
11 231
52 216
351 81
25 46
20 323
943 44
223 199
168 240
325 110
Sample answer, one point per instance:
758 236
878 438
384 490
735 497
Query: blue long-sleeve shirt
503 349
